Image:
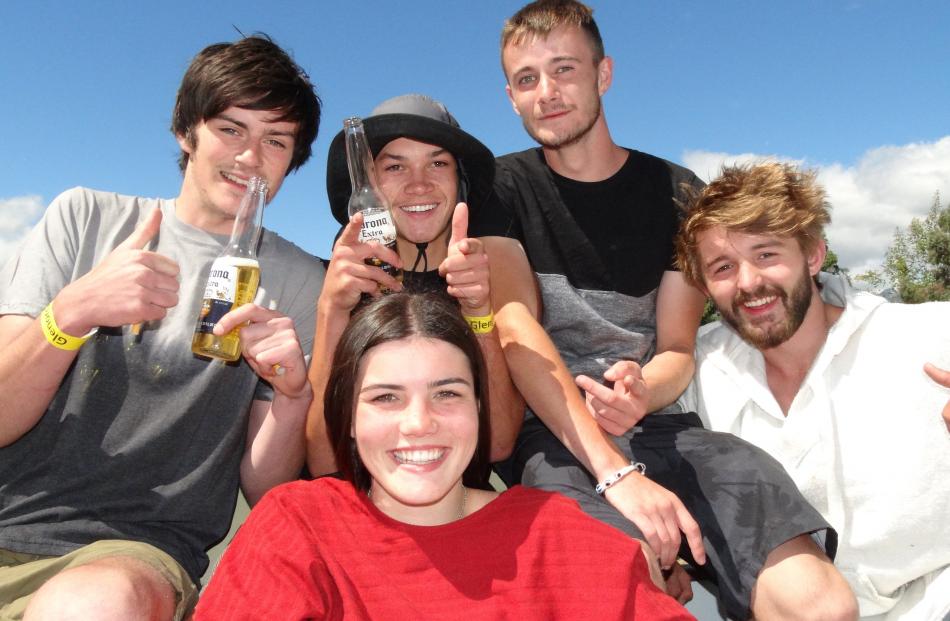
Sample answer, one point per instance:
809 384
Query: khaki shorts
21 574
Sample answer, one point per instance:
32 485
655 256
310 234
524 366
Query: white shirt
863 440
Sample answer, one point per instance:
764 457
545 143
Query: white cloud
886 188
17 217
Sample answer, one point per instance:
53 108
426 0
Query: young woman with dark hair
408 534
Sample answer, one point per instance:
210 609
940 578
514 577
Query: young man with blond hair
837 385
597 221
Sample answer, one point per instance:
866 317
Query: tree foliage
918 262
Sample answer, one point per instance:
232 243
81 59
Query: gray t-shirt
143 440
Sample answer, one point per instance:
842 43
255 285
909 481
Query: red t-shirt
319 549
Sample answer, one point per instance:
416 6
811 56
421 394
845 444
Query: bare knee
799 582
114 588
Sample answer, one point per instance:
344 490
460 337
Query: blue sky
859 89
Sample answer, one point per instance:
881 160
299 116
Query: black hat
421 118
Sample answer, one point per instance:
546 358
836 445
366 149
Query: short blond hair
540 18
770 198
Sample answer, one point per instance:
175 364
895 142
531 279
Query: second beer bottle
378 223
233 278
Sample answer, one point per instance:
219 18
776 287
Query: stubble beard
568 138
775 333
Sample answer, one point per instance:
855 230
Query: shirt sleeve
45 261
495 216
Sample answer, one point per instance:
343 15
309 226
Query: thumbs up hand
130 285
465 268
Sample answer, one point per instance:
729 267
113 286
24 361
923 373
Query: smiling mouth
760 302
419 457
234 179
419 208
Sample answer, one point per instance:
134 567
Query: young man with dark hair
121 450
833 383
434 174
597 222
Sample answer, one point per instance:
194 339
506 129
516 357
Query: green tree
918 262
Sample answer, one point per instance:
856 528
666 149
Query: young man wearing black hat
432 172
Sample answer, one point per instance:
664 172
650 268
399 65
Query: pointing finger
351 232
937 374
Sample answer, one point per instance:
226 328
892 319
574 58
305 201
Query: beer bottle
233 278
378 223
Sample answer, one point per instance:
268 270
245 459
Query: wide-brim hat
420 118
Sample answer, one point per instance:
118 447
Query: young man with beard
122 452
597 222
833 383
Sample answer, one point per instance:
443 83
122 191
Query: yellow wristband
481 325
56 337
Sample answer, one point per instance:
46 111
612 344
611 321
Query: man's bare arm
636 391
544 381
274 449
30 373
509 273
129 286
347 278
679 308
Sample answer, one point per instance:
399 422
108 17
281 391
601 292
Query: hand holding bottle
366 199
233 277
465 268
351 273
270 345
129 286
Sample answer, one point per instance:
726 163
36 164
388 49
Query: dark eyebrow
243 125
381 387
231 119
399 157
442 382
449 380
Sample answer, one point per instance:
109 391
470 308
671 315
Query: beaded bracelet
615 477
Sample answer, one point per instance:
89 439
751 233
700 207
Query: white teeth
419 457
233 178
760 302
418 208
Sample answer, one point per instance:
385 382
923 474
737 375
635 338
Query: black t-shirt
610 235
633 238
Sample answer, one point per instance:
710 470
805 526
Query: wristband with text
481 325
615 477
56 337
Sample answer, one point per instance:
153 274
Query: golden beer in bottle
378 222
233 278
